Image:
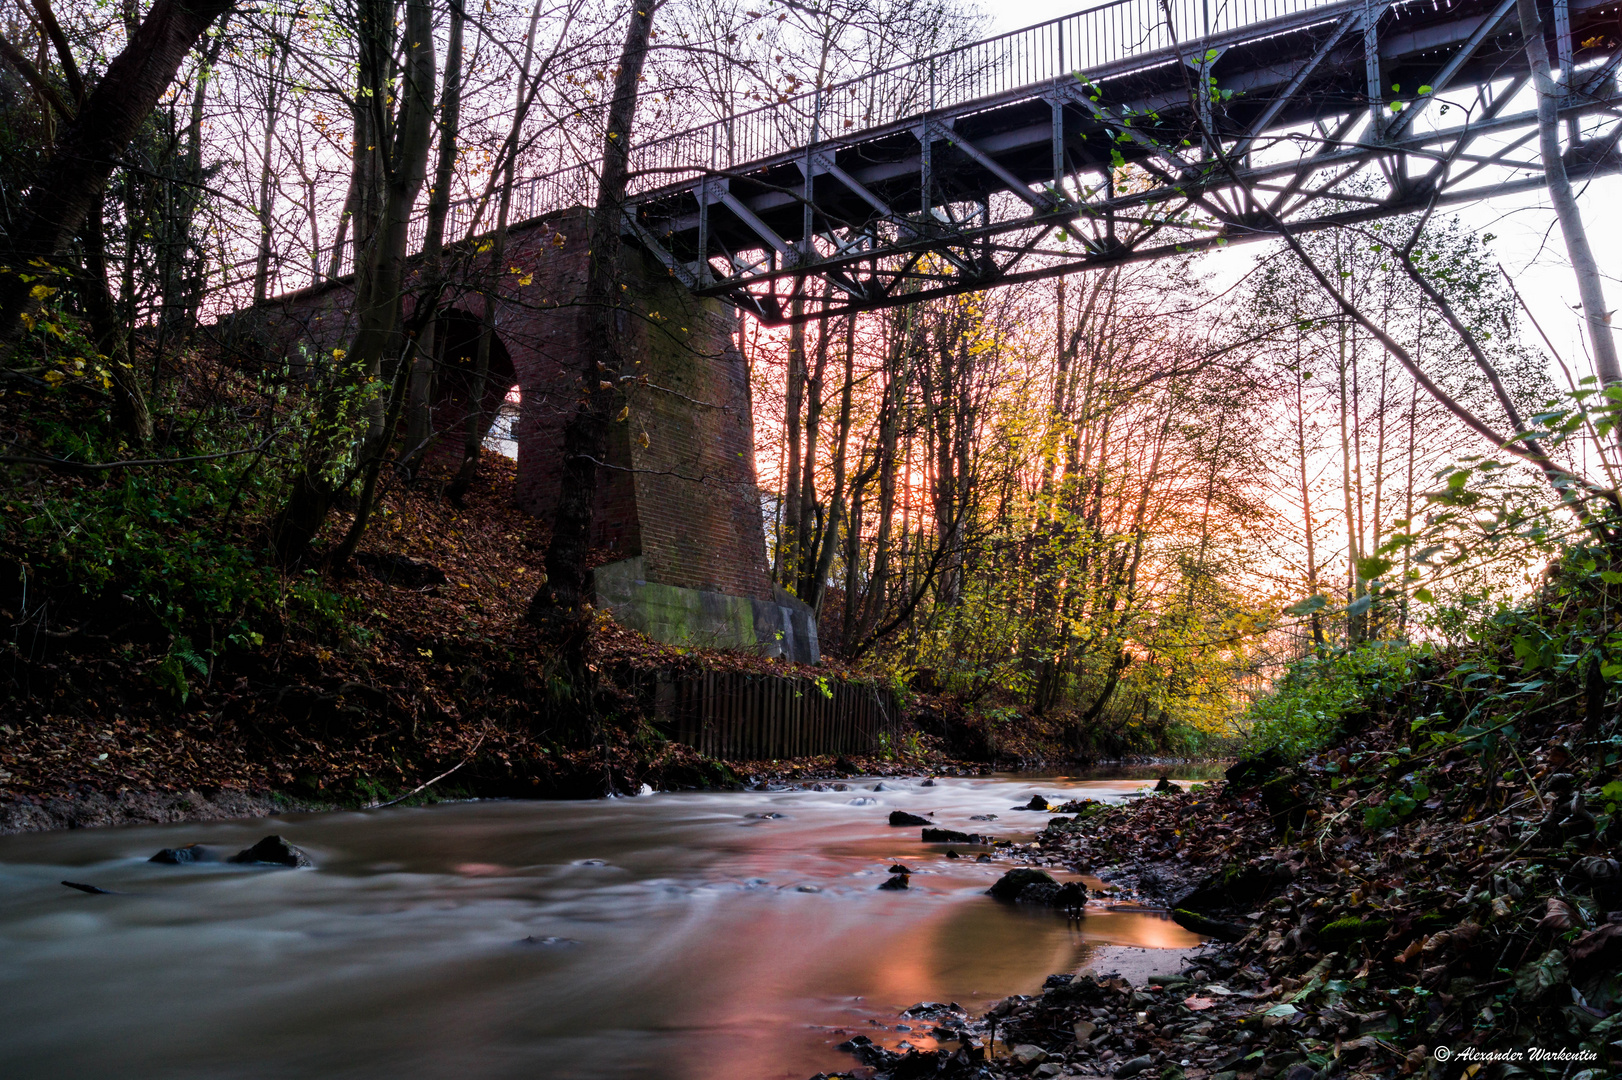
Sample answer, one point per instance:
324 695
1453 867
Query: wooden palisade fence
740 716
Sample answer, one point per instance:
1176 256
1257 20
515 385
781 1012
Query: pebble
1029 1055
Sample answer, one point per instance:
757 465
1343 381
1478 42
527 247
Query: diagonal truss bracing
1152 153
1133 130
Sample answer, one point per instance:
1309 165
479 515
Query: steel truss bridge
1133 130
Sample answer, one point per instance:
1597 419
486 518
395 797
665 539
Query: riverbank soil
1381 910
155 662
425 665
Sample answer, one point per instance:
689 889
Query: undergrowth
1307 708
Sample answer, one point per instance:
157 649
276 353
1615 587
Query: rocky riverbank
1375 912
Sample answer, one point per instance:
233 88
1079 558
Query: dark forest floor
437 669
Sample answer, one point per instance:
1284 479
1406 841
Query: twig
136 463
426 784
1533 784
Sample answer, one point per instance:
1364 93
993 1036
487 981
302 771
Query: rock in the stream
866 1051
897 881
1017 880
952 836
272 851
1164 784
902 868
1037 803
928 781
184 856
901 817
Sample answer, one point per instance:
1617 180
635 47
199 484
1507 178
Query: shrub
1305 709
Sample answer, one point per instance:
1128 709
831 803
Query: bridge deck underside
1022 185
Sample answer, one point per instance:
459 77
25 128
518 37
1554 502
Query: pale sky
1528 239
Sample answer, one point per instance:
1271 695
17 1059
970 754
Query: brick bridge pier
678 510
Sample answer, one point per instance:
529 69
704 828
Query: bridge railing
1083 42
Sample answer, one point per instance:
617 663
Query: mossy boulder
1208 926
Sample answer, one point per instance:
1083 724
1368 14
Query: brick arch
456 342
677 530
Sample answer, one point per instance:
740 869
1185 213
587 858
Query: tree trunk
421 392
808 539
787 560
585 436
1306 505
267 185
475 424
129 403
830 533
1353 623
393 173
85 150
1589 286
183 286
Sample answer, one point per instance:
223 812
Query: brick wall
680 487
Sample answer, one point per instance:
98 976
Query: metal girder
1351 24
751 219
1123 126
1371 65
1167 229
679 270
1282 130
941 131
1450 70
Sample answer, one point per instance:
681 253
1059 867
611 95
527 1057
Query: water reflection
664 936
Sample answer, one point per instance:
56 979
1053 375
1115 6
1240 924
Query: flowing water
670 935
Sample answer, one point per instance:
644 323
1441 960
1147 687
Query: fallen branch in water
425 785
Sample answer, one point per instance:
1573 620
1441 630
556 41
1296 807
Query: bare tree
87 147
585 434
390 164
1589 286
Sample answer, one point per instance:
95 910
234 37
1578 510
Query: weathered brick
679 486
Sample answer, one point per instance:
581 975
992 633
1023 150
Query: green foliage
170 673
1305 709
150 539
160 544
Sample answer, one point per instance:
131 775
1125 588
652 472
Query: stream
676 935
